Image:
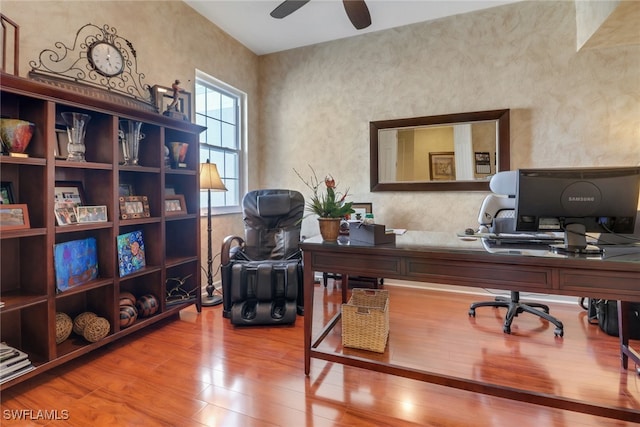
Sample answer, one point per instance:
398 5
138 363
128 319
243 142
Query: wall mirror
450 152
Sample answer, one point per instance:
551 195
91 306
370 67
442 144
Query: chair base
515 307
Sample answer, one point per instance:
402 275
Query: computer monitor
577 201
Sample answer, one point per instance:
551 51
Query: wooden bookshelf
27 270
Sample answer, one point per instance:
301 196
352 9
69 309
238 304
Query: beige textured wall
568 108
171 40
314 104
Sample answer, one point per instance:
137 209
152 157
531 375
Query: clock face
106 58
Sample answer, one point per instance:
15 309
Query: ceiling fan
357 11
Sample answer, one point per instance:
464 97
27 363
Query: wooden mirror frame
503 144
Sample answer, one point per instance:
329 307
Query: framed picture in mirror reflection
442 166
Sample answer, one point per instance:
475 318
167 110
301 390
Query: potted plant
327 203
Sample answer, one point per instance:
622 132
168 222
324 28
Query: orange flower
329 182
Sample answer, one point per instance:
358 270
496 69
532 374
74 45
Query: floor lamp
210 180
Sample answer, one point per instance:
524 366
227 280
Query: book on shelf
15 374
7 352
14 366
13 363
12 359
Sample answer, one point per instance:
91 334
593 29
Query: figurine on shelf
177 293
176 90
173 109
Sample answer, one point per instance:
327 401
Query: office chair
262 273
497 215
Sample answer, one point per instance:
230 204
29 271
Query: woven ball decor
64 326
128 315
147 305
81 320
127 298
96 329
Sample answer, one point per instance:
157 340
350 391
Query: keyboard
529 236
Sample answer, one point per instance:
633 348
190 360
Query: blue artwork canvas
130 252
75 262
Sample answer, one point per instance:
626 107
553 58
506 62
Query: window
221 108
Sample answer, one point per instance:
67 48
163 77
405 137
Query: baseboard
216 285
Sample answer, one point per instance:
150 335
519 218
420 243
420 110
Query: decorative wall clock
106 59
100 63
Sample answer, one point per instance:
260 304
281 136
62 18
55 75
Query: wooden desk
444 258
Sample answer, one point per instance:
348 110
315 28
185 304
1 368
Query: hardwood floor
199 370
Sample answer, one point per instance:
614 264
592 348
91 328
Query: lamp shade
210 178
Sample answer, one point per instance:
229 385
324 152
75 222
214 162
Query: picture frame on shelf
163 97
125 190
65 215
175 205
132 207
69 192
131 252
10 46
6 193
62 140
14 217
121 161
442 166
75 263
361 209
87 214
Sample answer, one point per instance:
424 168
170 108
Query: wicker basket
365 320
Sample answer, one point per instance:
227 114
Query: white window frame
242 145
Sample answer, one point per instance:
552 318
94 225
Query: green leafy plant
326 201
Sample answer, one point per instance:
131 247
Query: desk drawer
371 265
612 285
477 274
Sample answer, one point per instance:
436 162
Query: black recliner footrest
262 292
254 312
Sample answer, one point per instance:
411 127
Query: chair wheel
506 329
559 332
472 312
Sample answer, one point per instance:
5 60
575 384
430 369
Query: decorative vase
76 129
179 154
15 135
329 228
130 136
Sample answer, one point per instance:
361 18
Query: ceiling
249 22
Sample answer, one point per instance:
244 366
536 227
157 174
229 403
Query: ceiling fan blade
358 13
287 7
